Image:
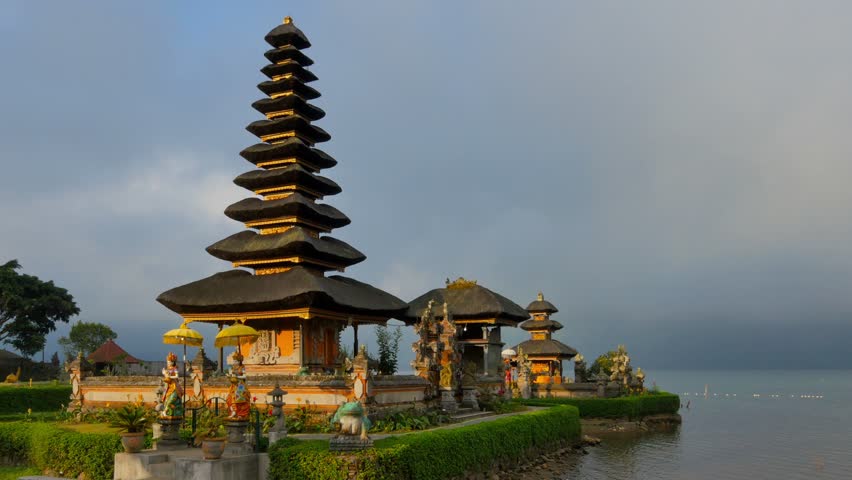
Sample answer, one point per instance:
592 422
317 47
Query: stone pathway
379 436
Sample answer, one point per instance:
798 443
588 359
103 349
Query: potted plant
132 419
210 434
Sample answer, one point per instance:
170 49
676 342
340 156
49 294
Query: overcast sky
674 176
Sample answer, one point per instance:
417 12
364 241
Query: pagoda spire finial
540 297
288 20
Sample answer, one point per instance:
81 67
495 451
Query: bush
633 407
64 452
40 398
436 454
294 459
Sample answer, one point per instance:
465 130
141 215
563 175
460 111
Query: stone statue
621 370
524 374
446 380
13 377
352 419
172 398
239 397
469 374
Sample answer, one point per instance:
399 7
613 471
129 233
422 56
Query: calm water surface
734 435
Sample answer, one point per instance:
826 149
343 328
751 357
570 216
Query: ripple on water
727 438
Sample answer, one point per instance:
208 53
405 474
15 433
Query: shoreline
554 464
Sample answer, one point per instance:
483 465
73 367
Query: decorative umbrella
183 336
235 335
508 353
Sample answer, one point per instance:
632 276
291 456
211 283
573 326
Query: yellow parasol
183 336
236 335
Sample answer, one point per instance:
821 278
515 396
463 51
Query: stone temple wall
325 393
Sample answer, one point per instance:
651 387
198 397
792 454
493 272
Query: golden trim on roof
305 313
282 94
293 220
279 113
295 259
284 162
459 283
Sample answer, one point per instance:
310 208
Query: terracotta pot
133 442
213 448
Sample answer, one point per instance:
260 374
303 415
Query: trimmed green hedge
296 459
41 398
436 454
64 452
634 407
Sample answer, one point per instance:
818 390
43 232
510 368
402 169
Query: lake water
799 427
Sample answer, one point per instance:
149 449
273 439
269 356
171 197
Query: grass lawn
88 427
13 473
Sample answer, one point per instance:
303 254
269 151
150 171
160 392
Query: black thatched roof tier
541 306
293 174
468 303
283 54
295 205
289 68
287 34
551 325
535 348
292 147
271 87
288 102
249 245
238 291
290 123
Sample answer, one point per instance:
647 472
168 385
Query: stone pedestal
237 437
275 436
469 398
225 468
601 386
448 401
349 443
170 434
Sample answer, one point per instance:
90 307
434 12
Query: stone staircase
464 414
189 464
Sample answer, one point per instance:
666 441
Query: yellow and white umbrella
236 335
183 336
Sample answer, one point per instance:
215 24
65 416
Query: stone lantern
279 429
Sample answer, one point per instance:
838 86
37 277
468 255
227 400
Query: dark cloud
674 177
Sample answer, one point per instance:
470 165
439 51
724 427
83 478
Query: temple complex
279 283
544 353
477 316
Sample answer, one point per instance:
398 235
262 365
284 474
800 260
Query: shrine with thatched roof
544 353
478 313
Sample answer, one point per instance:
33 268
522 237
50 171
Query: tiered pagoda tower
545 353
286 294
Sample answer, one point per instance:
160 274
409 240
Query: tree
388 349
30 308
603 364
85 337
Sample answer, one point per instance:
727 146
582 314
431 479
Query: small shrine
544 354
465 319
279 284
